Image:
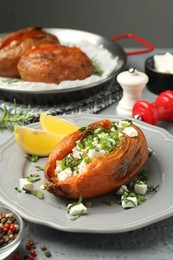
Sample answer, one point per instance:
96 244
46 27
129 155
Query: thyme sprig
8 119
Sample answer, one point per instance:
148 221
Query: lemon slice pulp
36 142
55 124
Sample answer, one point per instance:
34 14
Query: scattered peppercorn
43 247
31 253
9 228
47 253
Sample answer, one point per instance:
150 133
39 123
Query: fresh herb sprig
8 119
97 68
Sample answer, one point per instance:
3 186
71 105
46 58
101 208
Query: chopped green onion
33 178
31 158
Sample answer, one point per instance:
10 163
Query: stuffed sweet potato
54 63
15 44
96 159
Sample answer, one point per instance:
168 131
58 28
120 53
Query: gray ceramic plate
101 218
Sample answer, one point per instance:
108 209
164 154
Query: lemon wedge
36 142
56 125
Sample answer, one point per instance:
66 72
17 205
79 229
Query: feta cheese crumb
77 153
95 154
122 189
63 175
81 166
76 209
140 188
129 201
130 131
25 184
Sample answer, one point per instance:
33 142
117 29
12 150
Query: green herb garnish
9 81
8 119
97 68
31 158
18 190
36 193
39 168
152 188
33 178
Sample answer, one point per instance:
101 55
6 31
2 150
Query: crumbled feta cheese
122 189
130 131
63 175
140 188
112 140
81 166
129 201
77 153
77 209
95 154
58 169
25 184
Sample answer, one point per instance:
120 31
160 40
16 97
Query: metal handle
149 46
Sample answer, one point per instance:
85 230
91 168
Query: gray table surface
151 242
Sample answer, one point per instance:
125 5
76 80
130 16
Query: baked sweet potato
101 174
54 63
15 44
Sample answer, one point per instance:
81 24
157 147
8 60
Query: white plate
101 218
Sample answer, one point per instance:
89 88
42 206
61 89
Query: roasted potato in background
15 44
101 175
54 64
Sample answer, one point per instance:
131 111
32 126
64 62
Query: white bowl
8 249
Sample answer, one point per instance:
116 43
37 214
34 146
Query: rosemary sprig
8 119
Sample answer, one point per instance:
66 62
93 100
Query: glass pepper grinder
132 83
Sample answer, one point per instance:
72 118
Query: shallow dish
95 46
158 81
51 211
8 249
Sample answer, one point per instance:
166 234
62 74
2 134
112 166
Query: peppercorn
47 253
43 247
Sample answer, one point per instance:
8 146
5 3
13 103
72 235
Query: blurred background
151 20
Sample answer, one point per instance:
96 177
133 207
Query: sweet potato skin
103 174
54 64
15 44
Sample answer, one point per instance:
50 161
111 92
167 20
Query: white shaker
132 83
